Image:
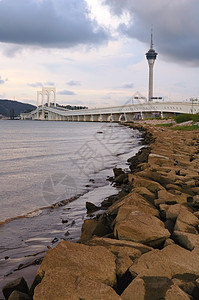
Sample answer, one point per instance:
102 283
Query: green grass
164 125
187 117
186 128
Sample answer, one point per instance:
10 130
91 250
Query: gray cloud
40 84
66 92
2 81
127 85
73 83
175 24
49 23
49 83
35 84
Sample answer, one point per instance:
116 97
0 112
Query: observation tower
151 57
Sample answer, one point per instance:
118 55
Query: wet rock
117 172
64 221
18 285
91 228
91 207
121 179
16 295
139 158
55 240
109 201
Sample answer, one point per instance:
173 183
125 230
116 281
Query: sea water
44 163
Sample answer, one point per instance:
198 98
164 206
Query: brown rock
92 227
196 213
186 221
196 201
94 262
165 197
187 240
135 291
147 287
173 212
72 286
125 251
133 201
169 261
169 242
117 245
160 160
142 228
187 283
175 293
144 192
152 186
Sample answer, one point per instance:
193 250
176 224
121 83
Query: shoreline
131 259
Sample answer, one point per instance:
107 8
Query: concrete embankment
146 243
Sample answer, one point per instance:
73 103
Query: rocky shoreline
145 245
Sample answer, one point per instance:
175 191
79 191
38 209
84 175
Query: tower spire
151 36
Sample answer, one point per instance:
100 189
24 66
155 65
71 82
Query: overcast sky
93 51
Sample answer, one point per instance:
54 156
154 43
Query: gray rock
91 207
18 285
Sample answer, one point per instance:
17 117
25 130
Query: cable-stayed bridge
127 112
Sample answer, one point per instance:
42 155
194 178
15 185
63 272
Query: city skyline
93 51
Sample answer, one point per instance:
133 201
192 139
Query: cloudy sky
93 51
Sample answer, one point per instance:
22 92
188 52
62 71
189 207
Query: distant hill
11 109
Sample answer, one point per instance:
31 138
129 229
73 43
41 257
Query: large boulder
141 228
97 262
62 284
133 201
168 262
